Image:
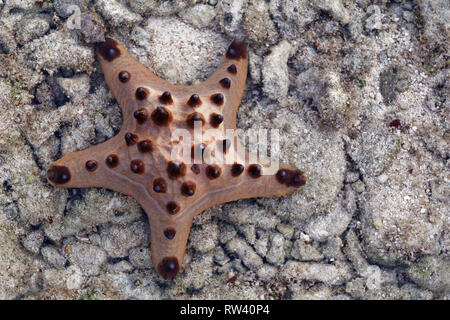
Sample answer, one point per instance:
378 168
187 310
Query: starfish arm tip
168 243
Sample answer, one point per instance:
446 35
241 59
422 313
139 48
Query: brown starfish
141 160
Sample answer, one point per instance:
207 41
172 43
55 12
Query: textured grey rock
305 252
31 27
220 257
373 22
227 232
356 288
405 225
257 23
393 80
230 14
246 253
11 211
324 162
323 89
121 266
435 15
354 251
431 273
194 60
116 13
53 256
58 50
65 8
334 223
411 292
351 177
275 71
333 274
241 214
33 241
336 8
159 8
88 257
374 149
332 249
319 292
200 271
262 244
200 15
25 193
117 240
140 257
359 186
204 238
76 88
91 28
238 266
291 15
248 230
267 272
74 278
286 230
276 253
97 207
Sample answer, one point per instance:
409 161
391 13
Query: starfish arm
285 180
88 168
229 80
259 181
238 178
131 82
168 238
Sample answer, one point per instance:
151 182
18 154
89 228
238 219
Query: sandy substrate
358 89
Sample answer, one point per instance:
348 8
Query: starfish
143 160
